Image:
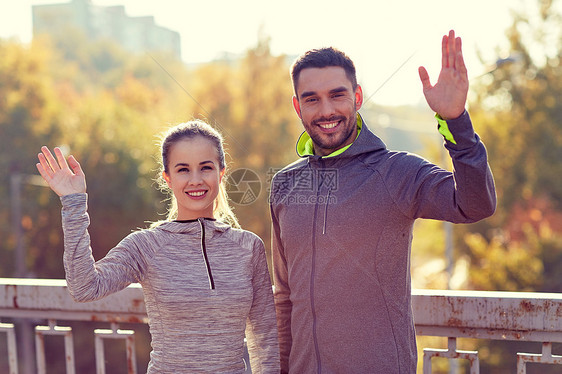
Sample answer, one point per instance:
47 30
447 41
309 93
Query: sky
387 40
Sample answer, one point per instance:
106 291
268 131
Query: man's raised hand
448 97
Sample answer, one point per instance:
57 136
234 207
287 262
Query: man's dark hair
321 58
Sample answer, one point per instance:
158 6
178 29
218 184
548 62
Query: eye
310 100
183 170
207 167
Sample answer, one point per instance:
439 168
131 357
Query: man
343 217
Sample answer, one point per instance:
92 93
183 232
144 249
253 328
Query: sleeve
86 279
475 189
282 292
465 195
261 329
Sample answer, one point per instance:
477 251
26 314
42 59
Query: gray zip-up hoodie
205 286
342 234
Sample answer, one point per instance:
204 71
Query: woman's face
194 176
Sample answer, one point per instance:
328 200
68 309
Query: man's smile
328 126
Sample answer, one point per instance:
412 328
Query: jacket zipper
312 274
205 258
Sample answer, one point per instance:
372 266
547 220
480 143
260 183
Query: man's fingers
444 58
451 50
424 77
461 67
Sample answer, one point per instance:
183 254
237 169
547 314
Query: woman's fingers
64 177
75 165
51 162
43 166
48 165
48 161
42 170
60 158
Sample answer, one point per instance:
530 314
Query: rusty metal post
10 331
40 352
452 354
427 355
115 333
24 325
69 352
52 329
100 355
26 346
15 197
546 357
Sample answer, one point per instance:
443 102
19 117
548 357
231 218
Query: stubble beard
336 140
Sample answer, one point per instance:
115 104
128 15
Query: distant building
136 34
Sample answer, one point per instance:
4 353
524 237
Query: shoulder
147 238
393 161
291 168
244 239
286 178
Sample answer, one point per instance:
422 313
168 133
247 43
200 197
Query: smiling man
327 103
343 217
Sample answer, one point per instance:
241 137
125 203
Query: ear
221 174
297 106
358 97
166 178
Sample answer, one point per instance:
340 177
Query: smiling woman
193 166
206 284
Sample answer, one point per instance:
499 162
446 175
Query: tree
28 115
249 102
519 117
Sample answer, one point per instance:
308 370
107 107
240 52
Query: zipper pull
326 211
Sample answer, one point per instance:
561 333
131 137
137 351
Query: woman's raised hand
63 178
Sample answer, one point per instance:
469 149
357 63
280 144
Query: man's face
327 106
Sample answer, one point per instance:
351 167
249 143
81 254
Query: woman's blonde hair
189 130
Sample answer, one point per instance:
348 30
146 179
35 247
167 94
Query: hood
366 141
193 226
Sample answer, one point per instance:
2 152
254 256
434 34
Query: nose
195 178
327 108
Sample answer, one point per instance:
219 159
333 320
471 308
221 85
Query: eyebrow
201 163
332 91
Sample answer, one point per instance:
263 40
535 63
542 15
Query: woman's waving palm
64 178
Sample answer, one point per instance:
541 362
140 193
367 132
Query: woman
205 283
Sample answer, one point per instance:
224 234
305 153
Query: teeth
329 125
196 193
